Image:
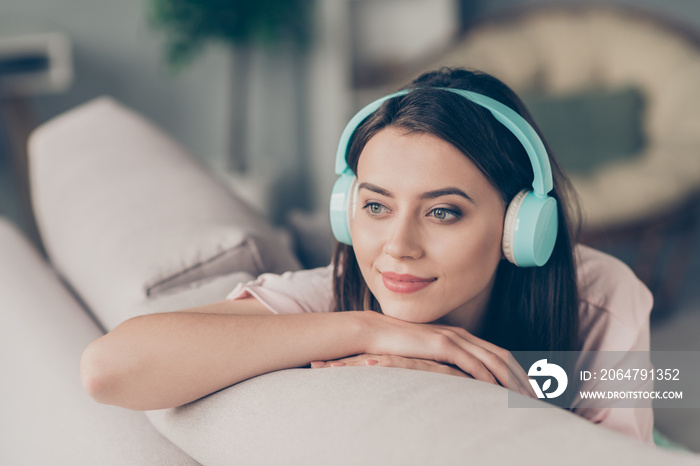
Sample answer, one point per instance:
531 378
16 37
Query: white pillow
206 291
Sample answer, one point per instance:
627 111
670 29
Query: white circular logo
542 369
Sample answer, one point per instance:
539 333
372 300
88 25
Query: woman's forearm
165 360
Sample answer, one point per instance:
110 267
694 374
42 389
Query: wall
116 53
685 10
293 128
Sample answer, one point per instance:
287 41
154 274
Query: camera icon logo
542 370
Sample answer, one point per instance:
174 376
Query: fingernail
317 364
337 364
371 362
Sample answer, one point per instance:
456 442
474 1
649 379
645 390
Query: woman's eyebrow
376 189
428 195
446 192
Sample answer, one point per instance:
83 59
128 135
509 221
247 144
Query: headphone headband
542 181
531 221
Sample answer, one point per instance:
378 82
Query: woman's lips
401 283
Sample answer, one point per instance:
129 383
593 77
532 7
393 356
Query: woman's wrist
368 328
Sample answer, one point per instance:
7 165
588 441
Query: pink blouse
614 316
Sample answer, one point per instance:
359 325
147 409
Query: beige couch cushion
47 418
375 416
126 214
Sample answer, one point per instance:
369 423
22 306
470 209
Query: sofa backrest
127 216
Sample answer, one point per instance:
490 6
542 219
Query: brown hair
533 309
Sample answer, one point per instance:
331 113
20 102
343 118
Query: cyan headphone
531 222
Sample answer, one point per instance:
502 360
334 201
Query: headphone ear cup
342 207
530 229
509 225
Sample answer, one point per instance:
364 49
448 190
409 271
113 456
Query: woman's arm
164 360
438 348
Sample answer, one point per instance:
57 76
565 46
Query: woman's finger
444 368
393 361
411 363
349 361
506 356
452 352
499 360
443 344
491 362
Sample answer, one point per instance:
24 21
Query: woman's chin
408 313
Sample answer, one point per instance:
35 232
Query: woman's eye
374 208
444 214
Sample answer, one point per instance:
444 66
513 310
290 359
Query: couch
133 224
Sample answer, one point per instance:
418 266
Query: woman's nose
403 241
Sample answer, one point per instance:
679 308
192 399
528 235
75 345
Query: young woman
430 275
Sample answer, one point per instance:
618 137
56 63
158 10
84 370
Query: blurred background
260 91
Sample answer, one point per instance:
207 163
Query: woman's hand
388 360
452 346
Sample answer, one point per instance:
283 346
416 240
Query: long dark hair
531 309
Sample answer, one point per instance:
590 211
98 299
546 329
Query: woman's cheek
365 240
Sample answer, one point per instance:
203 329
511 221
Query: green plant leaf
189 24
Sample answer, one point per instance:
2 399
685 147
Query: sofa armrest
388 416
47 418
125 213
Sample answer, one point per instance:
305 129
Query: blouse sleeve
291 292
614 319
637 421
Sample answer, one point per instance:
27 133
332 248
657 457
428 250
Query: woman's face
427 228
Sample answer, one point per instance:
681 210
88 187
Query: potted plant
241 24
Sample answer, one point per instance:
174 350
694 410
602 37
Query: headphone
531 221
